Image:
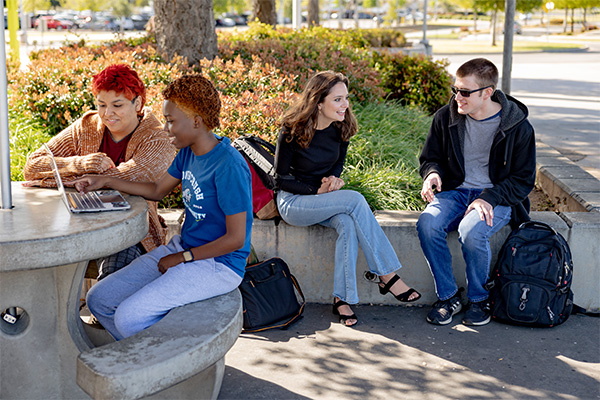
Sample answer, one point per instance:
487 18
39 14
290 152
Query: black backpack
260 156
531 281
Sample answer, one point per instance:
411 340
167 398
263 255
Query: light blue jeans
137 296
446 214
349 214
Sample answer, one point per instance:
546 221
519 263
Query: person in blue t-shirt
209 257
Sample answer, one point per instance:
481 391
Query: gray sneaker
443 310
477 313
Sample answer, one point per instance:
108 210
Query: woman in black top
310 155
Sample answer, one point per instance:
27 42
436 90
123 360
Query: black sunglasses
467 93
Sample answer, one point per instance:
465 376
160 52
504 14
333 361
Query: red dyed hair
122 79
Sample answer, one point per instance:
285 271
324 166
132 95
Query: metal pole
4 141
425 42
296 14
509 29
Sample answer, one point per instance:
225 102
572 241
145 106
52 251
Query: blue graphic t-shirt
214 185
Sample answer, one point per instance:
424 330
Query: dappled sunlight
590 369
394 353
464 328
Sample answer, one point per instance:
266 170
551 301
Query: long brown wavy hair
300 120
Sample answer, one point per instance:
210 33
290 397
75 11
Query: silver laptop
101 200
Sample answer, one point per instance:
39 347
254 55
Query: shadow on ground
395 353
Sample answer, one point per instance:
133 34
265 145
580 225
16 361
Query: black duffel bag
269 296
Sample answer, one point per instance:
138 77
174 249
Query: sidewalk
395 354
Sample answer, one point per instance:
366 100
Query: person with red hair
120 139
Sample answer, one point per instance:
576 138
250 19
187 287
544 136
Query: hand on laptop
89 183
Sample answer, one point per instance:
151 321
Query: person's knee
96 300
127 320
472 233
343 224
427 225
357 200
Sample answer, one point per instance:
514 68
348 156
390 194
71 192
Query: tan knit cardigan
149 154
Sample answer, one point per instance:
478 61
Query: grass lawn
458 46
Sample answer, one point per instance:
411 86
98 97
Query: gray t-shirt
477 147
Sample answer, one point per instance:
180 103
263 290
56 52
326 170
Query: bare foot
399 287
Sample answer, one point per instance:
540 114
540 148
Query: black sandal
343 318
403 297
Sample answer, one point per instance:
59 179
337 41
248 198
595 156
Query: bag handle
271 275
537 225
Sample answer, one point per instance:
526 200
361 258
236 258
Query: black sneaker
477 313
443 310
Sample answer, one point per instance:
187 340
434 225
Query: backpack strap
580 310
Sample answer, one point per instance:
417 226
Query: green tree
34 5
224 6
392 13
80 5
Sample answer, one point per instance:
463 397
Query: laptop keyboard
86 201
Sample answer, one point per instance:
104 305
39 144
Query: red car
53 23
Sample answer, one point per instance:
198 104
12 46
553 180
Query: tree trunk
313 12
572 19
566 18
265 11
185 28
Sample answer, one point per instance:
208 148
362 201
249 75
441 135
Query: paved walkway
395 354
562 92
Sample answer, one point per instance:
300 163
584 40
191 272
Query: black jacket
512 157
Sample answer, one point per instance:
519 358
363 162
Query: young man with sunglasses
478 167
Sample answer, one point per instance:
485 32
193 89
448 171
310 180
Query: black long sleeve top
300 170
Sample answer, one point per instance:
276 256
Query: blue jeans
349 214
446 214
137 296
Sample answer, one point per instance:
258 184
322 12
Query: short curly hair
196 95
122 79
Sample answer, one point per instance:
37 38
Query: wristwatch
188 256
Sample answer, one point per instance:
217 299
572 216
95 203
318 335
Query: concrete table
44 251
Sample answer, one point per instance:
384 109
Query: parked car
517 28
417 16
140 21
101 23
35 17
54 23
124 23
349 14
224 22
238 19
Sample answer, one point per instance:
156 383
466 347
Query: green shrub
414 80
55 89
254 96
382 37
299 54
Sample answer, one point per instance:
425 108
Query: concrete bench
309 253
179 357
